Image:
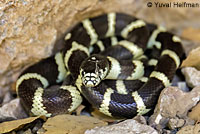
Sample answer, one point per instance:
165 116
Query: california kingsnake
121 41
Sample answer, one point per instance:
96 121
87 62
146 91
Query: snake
117 62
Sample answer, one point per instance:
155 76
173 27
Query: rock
165 131
189 45
140 119
192 59
175 123
4 95
183 86
13 109
7 97
27 132
37 126
126 127
41 131
192 76
188 33
4 119
173 103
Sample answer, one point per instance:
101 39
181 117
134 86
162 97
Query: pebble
175 123
192 76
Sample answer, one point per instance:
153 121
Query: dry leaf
191 34
104 117
190 129
195 113
13 87
70 124
193 59
197 128
6 127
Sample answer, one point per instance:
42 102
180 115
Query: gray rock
174 103
126 127
140 119
192 76
7 97
183 86
13 109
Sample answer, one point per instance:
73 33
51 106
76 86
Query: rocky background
31 30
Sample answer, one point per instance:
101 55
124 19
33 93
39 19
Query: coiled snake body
117 62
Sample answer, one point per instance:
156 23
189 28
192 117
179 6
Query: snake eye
82 73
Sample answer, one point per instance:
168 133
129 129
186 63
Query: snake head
93 70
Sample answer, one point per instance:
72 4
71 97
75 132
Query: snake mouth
90 80
89 83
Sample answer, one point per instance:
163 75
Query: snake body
106 60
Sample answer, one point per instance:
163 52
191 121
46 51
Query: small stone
175 123
27 131
41 131
183 86
172 104
37 126
164 131
13 109
192 76
140 119
126 127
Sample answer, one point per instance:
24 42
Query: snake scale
117 62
